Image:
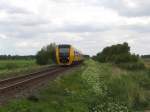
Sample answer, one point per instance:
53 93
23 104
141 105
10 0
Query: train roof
67 46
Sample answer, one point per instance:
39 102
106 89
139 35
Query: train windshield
64 50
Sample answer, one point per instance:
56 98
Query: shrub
46 55
119 53
132 65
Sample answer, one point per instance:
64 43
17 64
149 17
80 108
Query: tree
119 53
46 55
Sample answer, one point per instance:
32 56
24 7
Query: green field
94 87
10 68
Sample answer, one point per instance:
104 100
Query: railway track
13 86
10 81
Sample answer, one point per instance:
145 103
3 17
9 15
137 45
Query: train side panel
57 55
71 56
77 57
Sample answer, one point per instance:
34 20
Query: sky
89 25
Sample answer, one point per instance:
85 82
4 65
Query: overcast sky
89 25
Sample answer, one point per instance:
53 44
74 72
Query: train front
64 55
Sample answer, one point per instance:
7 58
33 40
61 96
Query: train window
64 50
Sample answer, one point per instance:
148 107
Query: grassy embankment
94 87
10 68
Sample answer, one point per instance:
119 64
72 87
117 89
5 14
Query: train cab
67 55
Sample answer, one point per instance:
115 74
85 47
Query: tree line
145 56
9 57
120 55
116 54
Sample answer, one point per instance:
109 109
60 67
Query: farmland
9 68
94 87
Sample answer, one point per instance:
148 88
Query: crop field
94 87
16 67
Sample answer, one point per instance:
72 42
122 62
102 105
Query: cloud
27 25
8 8
2 36
138 28
130 8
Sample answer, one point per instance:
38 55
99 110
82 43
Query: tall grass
13 64
93 87
117 89
132 65
14 67
68 93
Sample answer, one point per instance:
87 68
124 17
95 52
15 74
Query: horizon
75 47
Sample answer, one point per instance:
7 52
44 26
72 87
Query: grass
132 65
10 68
13 64
94 87
64 94
147 63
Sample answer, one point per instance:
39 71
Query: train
68 55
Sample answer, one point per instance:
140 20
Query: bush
9 65
119 53
132 65
46 55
